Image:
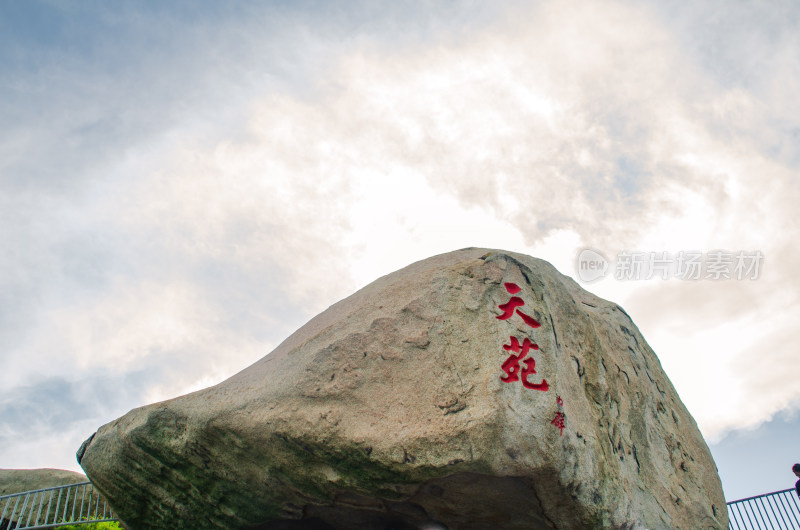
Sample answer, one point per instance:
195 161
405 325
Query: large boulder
20 480
25 480
475 389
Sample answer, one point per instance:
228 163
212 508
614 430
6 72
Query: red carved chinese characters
558 421
519 366
509 307
514 303
528 320
512 365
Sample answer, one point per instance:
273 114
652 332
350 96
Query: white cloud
566 128
561 126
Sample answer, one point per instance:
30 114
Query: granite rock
19 480
23 480
475 389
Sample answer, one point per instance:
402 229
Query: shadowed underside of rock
476 389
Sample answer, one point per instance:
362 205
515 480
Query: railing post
770 511
30 513
49 505
32 509
788 505
776 507
24 504
96 502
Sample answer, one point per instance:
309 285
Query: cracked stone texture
387 410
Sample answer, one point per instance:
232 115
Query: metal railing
80 503
778 510
72 504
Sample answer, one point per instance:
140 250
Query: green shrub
108 525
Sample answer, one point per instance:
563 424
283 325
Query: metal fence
51 507
778 510
80 503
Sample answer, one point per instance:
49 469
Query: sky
184 184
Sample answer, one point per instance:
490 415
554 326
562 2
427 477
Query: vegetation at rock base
108 525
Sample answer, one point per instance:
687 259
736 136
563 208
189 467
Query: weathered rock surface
19 480
389 409
22 480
